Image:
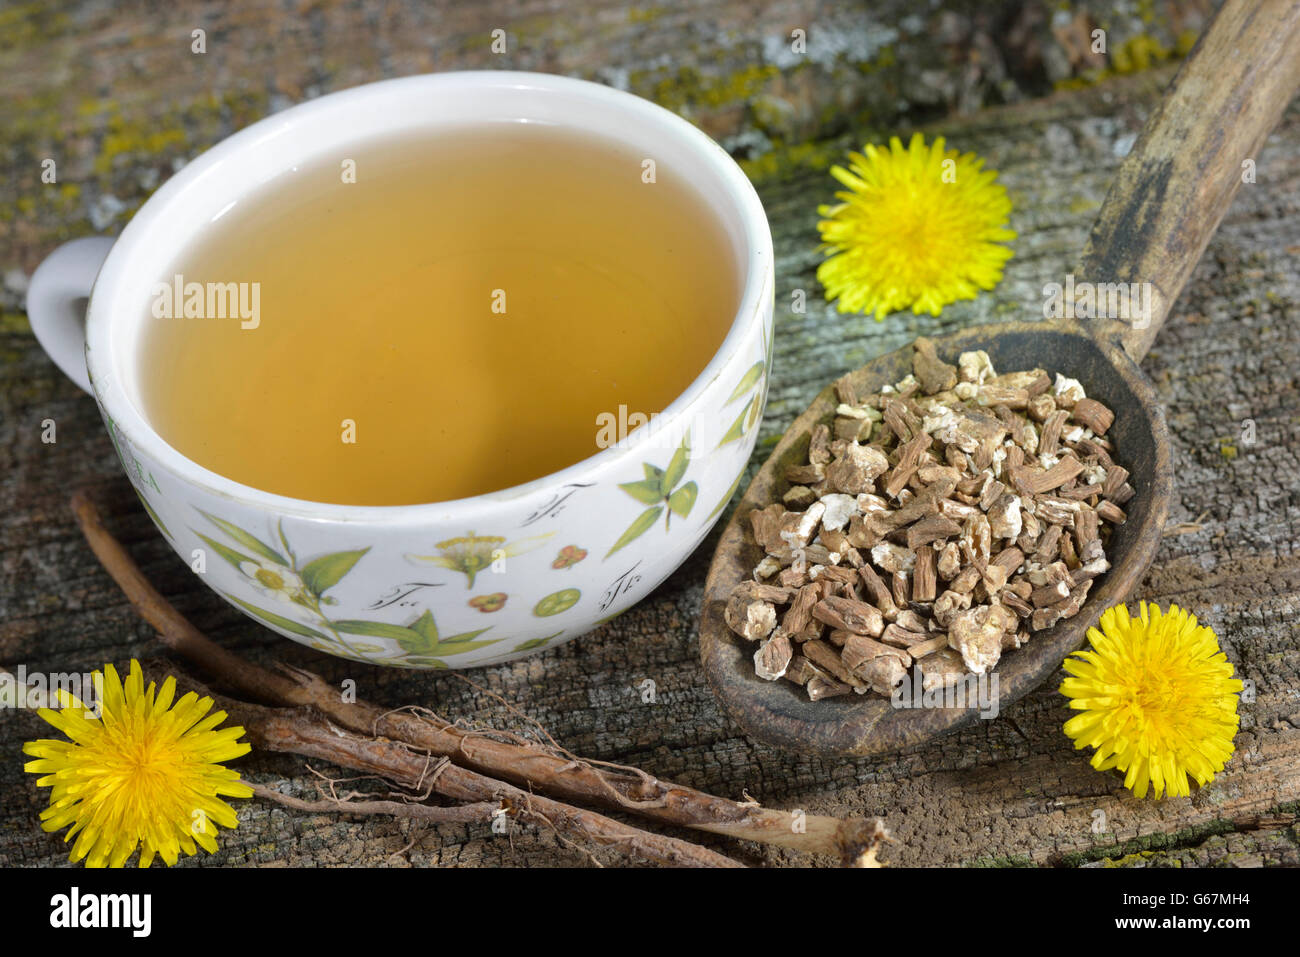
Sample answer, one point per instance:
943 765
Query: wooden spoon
1167 200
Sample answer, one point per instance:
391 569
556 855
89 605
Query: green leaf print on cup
557 602
377 629
752 383
749 413
324 573
425 646
637 528
661 492
726 496
472 553
246 540
136 473
271 618
536 642
162 527
278 575
683 500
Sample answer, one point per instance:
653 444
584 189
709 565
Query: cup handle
56 303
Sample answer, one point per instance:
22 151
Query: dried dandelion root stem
551 770
529 764
310 734
479 813
936 524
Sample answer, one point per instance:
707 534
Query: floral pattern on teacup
470 554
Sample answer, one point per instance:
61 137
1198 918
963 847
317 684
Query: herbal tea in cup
435 316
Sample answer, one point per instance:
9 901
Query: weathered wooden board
1011 790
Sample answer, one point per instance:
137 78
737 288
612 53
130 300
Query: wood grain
1001 792
1174 187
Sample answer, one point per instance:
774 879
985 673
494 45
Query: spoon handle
1197 148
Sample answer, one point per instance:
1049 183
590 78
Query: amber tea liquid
451 322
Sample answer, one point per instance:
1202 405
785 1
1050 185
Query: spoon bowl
779 712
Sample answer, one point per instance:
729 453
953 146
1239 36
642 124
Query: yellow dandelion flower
1158 699
919 226
142 773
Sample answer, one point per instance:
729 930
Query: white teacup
450 584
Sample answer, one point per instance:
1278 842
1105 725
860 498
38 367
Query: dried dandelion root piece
936 525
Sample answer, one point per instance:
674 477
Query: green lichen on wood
1135 55
644 14
111 150
1147 844
15 323
1014 860
883 60
136 139
784 162
1139 859
28 24
687 87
